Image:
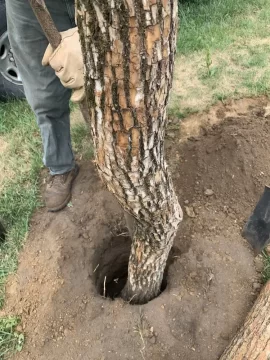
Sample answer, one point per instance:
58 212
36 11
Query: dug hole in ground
220 163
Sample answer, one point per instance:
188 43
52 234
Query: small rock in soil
267 110
19 328
256 286
267 249
190 211
209 192
153 340
193 274
259 264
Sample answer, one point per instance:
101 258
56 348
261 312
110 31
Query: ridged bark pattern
252 342
129 48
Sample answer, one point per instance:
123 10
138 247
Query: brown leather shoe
58 190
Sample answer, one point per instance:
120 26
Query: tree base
110 270
144 295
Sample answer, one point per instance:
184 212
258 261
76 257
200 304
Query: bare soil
219 167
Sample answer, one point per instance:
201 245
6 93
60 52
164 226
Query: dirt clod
209 192
256 286
190 211
258 261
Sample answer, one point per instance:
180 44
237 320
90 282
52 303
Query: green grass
266 271
257 57
223 52
81 141
216 24
11 337
20 165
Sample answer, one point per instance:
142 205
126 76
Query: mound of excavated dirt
212 281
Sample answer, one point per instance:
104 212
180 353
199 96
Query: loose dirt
219 169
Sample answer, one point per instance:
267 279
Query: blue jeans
46 95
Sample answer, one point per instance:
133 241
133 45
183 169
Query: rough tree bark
129 48
252 342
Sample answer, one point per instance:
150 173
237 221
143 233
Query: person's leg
44 92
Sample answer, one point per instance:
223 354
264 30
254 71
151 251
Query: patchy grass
223 52
20 166
81 141
266 271
11 337
217 24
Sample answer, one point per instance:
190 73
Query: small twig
139 329
132 298
141 335
104 286
123 234
96 267
141 351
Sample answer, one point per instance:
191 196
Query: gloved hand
67 61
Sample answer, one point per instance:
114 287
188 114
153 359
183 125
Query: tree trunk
129 48
252 342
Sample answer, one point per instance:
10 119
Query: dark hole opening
111 267
2 50
13 73
115 283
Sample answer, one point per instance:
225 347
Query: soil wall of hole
212 281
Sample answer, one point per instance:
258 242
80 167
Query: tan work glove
67 61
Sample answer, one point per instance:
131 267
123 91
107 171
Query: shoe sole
64 203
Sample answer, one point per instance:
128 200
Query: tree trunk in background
129 48
252 342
